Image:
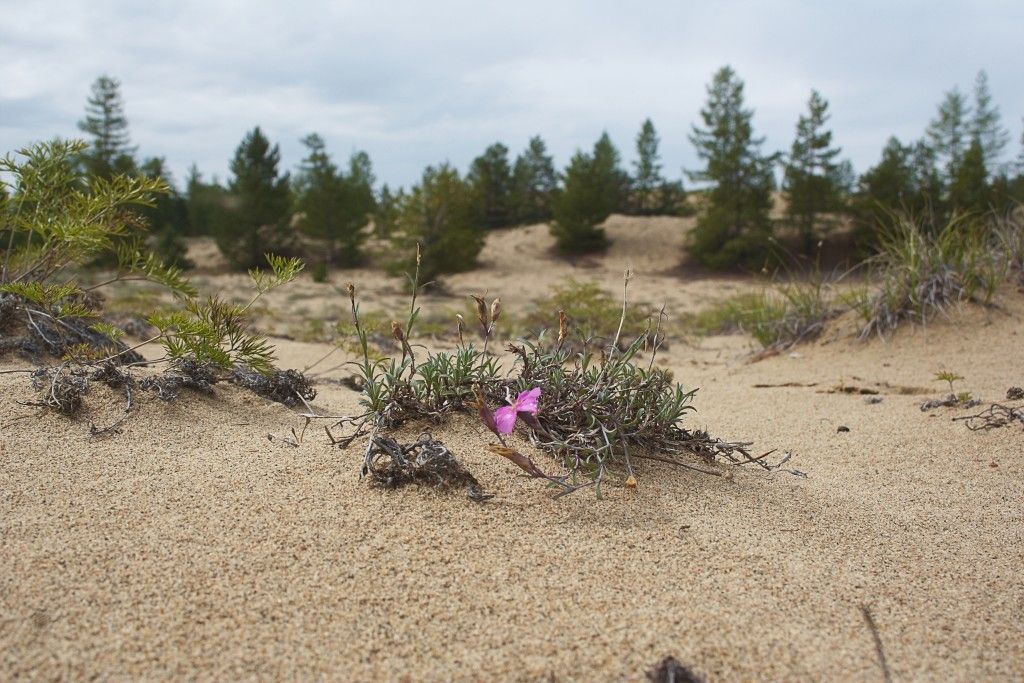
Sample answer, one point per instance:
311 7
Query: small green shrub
921 273
598 409
778 317
592 314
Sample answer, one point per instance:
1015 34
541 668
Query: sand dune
191 546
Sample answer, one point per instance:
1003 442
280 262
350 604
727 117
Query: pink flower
526 402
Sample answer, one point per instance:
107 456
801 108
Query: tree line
326 212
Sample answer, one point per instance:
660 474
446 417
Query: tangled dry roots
426 462
289 387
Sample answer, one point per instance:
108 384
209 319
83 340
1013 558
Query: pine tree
814 181
735 228
647 180
593 189
534 184
985 126
949 133
614 181
260 204
439 214
491 180
167 218
334 207
105 121
205 203
969 190
903 183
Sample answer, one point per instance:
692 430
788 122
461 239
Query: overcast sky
417 83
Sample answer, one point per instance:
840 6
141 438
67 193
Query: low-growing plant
592 315
55 221
593 410
778 317
921 274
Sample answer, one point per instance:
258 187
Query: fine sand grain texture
191 546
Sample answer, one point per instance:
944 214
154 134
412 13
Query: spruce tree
985 126
167 217
969 190
949 133
613 181
105 122
593 189
534 184
735 228
334 207
439 215
260 201
491 180
205 203
814 180
648 182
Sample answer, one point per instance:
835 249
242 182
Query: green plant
599 409
778 317
591 313
921 273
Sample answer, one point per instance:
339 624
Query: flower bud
495 310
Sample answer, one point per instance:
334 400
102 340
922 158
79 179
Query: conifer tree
105 122
648 182
491 180
814 180
167 218
439 215
260 201
735 227
534 184
949 133
969 190
334 207
609 175
985 126
593 189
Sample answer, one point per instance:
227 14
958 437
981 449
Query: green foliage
259 206
592 313
167 218
335 206
921 273
206 204
949 132
779 317
534 184
969 191
439 215
597 410
735 228
986 128
491 181
216 333
385 217
56 218
105 122
594 188
647 176
815 183
903 182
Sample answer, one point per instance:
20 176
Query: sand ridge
191 546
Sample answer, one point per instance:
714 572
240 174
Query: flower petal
526 402
505 419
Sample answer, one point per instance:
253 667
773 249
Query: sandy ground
191 546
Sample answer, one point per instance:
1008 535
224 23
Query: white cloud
417 83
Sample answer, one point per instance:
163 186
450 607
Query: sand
191 546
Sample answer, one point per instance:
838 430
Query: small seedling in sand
955 399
